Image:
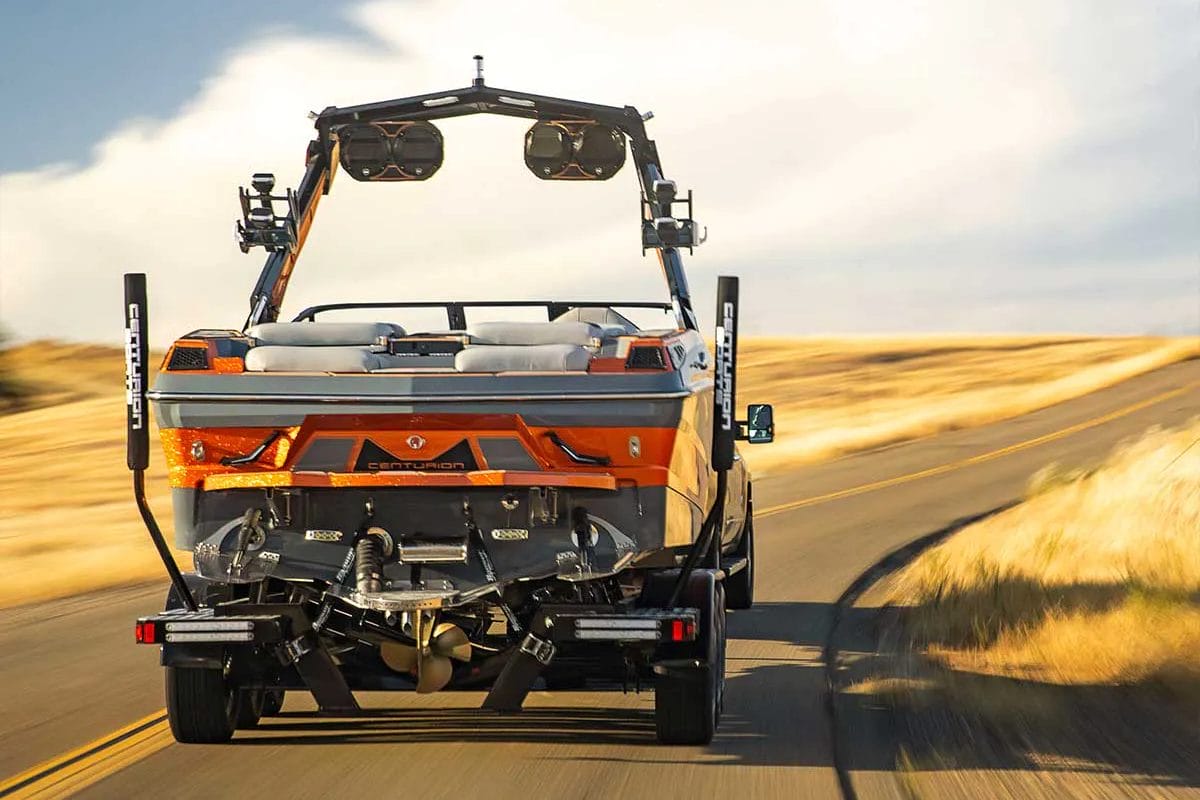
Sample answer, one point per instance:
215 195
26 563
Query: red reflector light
144 632
682 630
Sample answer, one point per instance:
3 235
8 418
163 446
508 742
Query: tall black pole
137 421
725 378
708 541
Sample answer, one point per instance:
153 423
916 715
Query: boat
485 503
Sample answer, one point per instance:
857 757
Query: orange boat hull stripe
490 477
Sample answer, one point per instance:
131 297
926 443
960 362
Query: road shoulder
907 729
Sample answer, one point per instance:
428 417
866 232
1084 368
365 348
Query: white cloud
836 147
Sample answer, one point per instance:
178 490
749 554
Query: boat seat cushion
523 358
614 324
281 358
322 334
582 334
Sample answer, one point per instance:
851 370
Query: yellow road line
66 774
979 459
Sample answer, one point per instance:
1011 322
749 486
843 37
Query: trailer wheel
739 587
688 702
564 682
272 702
250 708
203 706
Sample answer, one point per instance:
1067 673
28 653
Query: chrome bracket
541 649
296 649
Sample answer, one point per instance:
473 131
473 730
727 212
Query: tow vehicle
484 505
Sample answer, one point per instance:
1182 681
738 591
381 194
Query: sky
864 165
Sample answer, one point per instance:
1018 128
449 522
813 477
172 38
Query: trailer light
617 623
211 636
683 630
144 632
617 634
211 625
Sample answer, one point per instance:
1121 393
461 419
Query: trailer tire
250 708
272 702
203 707
687 707
564 682
739 587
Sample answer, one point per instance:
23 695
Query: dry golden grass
68 524
67 519
52 373
1095 579
837 396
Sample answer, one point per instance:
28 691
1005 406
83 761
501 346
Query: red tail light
144 632
682 630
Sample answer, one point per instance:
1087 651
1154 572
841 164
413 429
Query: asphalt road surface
70 673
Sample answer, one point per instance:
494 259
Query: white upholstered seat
523 358
322 334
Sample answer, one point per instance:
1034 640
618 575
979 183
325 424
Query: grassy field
67 519
1050 650
837 396
63 481
1094 580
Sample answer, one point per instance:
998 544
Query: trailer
487 505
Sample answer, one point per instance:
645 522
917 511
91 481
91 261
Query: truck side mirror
760 424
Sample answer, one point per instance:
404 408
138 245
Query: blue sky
77 69
866 166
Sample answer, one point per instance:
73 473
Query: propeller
430 658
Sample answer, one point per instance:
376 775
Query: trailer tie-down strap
320 674
524 666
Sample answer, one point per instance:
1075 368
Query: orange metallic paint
302 228
184 471
438 432
493 477
670 457
228 364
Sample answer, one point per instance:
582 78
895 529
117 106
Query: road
69 671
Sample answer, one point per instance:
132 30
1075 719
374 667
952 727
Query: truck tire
203 707
739 587
688 703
